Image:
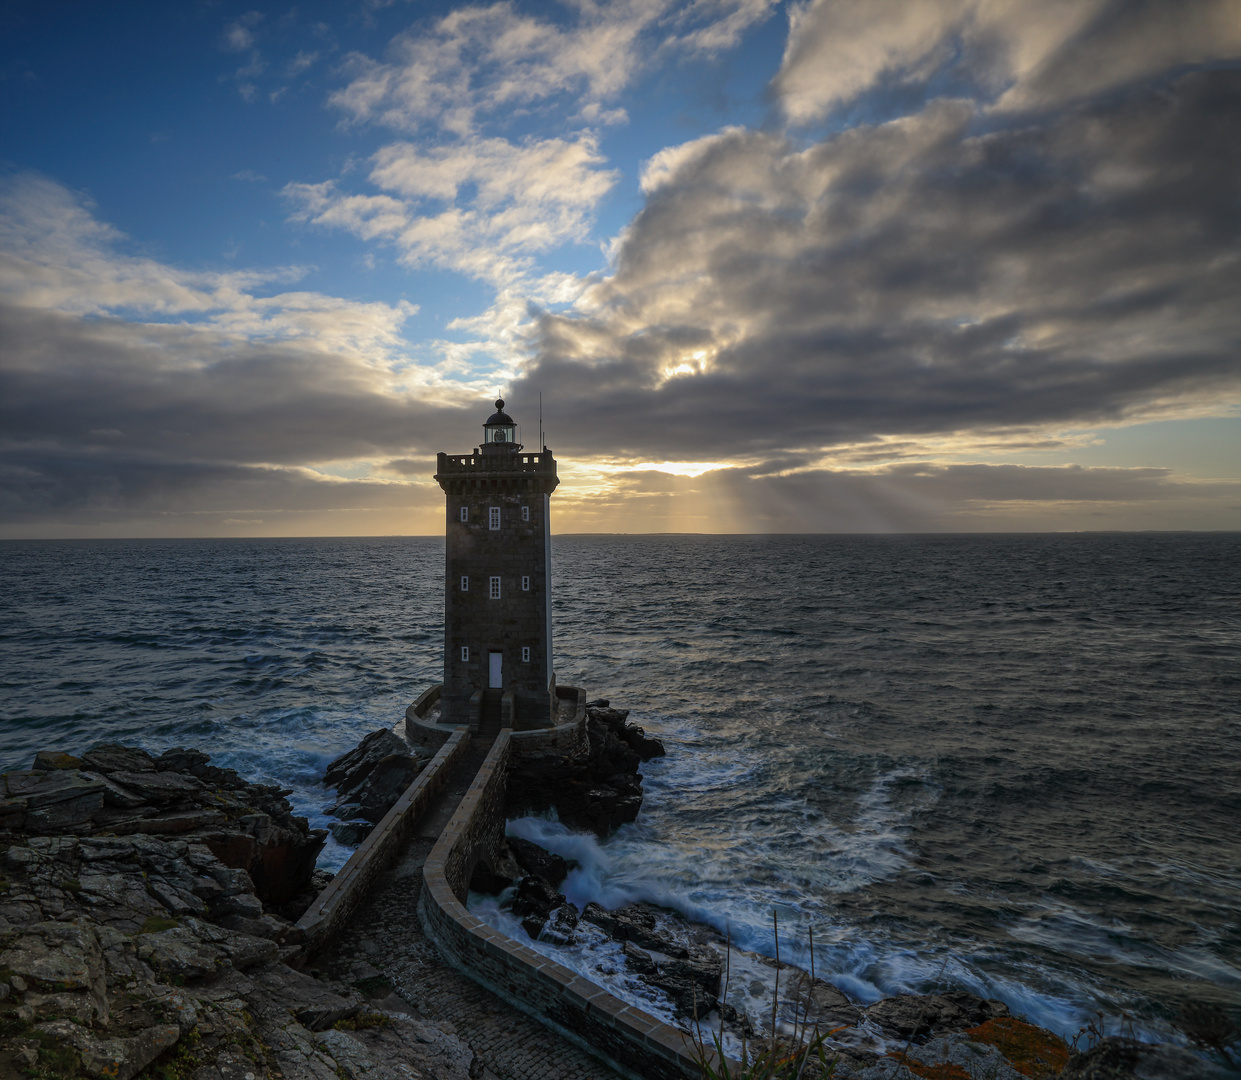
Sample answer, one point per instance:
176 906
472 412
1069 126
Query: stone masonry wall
630 1040
330 910
518 618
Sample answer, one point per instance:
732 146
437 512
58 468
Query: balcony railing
483 463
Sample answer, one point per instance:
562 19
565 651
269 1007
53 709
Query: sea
1009 764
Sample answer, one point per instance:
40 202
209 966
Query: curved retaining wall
631 1041
346 890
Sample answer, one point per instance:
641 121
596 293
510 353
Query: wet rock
350 769
534 902
911 1016
829 1007
369 779
352 833
599 789
973 1059
48 760
600 917
539 861
1121 1059
112 757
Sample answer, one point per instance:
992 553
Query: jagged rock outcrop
122 951
599 789
122 791
368 780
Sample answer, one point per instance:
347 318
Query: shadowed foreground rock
122 951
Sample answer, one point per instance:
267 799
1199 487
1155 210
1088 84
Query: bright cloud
1025 55
476 61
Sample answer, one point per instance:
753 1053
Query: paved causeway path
384 934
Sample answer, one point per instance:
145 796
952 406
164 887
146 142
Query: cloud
1021 55
477 61
56 255
129 387
481 206
239 34
915 277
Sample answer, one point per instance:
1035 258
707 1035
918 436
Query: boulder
539 861
912 1016
350 769
112 757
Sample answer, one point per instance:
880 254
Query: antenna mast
542 444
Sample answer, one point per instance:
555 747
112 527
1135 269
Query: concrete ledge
324 918
632 1042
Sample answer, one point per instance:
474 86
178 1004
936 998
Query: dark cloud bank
953 271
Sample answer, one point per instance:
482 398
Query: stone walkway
385 938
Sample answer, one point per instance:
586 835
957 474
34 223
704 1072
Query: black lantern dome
500 431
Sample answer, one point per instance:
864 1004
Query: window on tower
465 583
494 515
525 582
525 513
495 588
525 654
465 513
465 654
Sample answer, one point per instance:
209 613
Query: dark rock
977 1010
1115 1058
644 745
599 789
535 898
181 759
350 769
160 788
560 925
829 1007
49 760
113 794
613 718
112 757
539 861
350 833
593 913
637 960
912 1016
384 784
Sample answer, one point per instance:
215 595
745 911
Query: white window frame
465 654
525 654
493 588
493 517
465 513
525 513
525 582
465 583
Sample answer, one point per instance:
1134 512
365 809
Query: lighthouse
497 582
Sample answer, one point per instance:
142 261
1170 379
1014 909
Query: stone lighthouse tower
497 584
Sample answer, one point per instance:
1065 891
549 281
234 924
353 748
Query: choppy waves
1007 764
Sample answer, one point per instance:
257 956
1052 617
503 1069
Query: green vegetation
362 1022
155 925
375 986
175 1063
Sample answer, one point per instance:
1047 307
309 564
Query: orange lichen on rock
944 1071
1032 1051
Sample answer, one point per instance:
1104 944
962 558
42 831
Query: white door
495 675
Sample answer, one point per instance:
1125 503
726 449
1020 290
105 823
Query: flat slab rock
131 950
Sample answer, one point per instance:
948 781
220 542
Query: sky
811 266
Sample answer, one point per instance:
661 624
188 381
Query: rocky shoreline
146 917
147 929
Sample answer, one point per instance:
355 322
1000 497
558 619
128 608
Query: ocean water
1009 764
